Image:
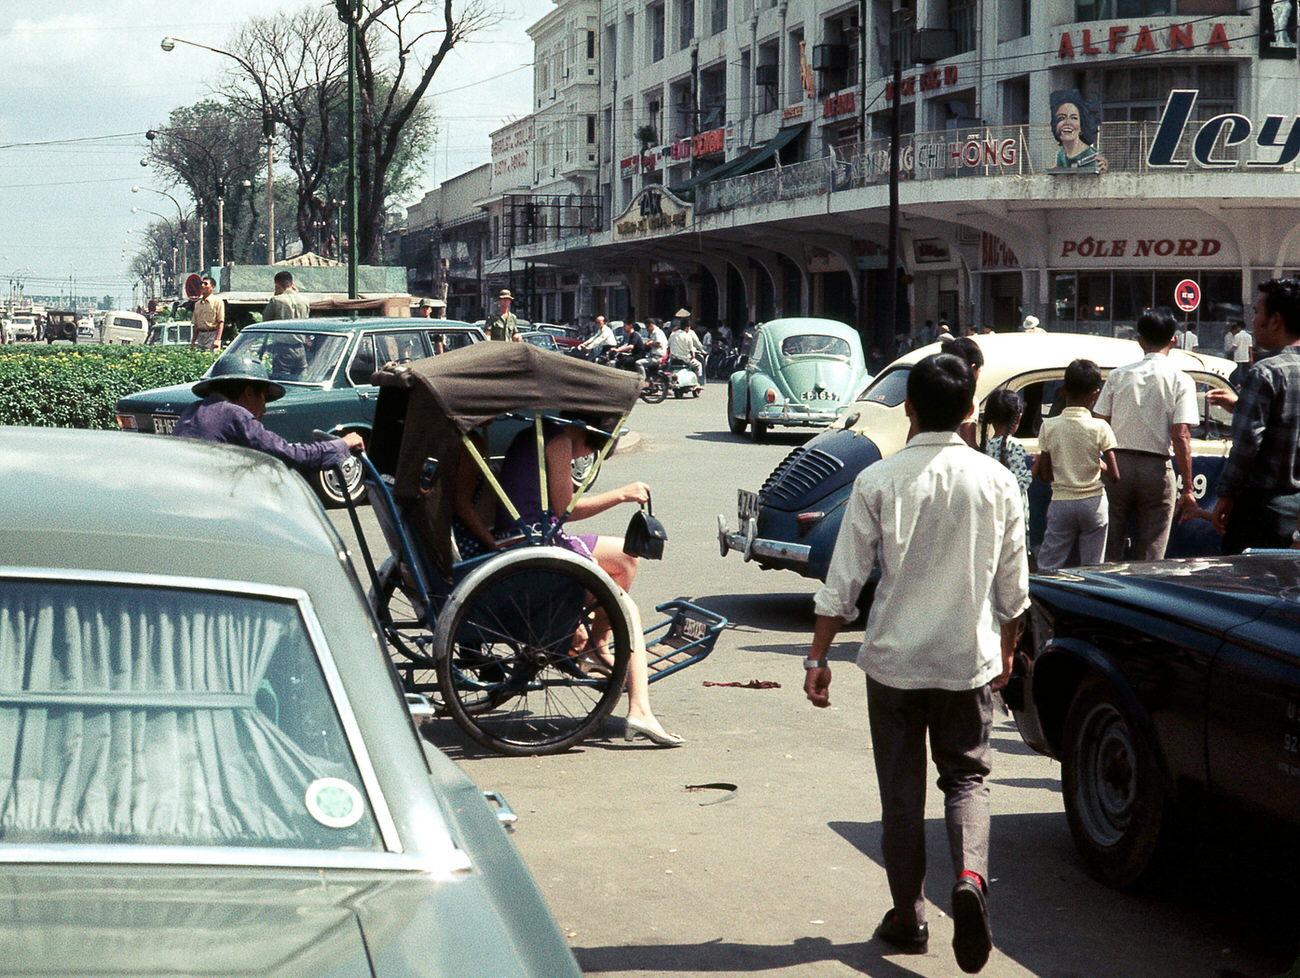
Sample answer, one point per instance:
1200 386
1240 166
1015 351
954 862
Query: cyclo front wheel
533 622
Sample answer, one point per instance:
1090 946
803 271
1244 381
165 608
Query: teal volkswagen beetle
801 372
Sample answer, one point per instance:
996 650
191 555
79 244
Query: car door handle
365 395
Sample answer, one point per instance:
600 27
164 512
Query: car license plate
164 424
746 505
817 396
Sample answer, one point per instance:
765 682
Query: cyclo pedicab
502 641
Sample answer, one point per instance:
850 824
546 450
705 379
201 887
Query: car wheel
331 490
580 467
1110 779
758 430
737 425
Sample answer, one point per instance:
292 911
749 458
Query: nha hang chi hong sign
653 211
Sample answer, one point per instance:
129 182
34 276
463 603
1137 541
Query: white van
124 328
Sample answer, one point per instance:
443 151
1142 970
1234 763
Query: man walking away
1238 348
1151 407
1259 488
288 302
938 642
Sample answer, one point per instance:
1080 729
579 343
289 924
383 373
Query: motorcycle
674 377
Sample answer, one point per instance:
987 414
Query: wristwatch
811 664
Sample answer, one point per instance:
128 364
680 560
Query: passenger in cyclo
519 478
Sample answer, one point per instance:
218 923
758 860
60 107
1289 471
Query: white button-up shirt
1144 400
948 529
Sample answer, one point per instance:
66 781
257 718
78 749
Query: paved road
648 878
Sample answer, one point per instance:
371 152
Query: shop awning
746 162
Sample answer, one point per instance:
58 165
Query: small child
1002 410
1075 449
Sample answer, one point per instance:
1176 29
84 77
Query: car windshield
136 715
295 358
815 344
889 389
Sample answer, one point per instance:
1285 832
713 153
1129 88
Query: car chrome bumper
744 542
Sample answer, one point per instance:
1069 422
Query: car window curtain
130 715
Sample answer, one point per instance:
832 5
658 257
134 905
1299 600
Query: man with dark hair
288 302
234 398
1151 407
1238 348
969 350
208 319
1259 488
938 641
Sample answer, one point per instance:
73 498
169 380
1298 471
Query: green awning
747 161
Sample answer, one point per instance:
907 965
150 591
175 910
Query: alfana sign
1276 149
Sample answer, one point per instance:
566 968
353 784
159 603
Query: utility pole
885 342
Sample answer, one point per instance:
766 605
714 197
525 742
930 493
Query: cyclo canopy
425 408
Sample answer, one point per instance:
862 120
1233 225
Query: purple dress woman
519 479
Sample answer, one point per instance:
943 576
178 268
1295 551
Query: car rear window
295 358
815 344
148 715
889 389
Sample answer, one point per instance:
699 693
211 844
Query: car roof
353 323
68 498
1008 355
804 324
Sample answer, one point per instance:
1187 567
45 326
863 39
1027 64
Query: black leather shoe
909 940
971 937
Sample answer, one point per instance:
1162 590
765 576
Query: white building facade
742 159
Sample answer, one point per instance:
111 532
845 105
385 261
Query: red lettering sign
1178 37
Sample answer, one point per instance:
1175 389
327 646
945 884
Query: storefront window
1109 303
1063 300
1094 298
1132 295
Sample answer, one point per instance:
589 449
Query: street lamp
268 130
180 215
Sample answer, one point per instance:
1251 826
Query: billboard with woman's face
1074 127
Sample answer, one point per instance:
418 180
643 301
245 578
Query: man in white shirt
684 345
948 528
597 341
1238 347
1187 339
1151 407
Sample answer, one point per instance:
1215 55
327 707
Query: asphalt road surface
649 876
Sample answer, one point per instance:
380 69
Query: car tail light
126 422
806 521
771 396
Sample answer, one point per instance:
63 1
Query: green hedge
78 386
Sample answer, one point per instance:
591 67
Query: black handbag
645 536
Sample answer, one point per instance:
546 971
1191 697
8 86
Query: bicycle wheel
528 618
411 643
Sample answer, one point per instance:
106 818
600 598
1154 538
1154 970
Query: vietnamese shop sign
653 211
976 150
1276 148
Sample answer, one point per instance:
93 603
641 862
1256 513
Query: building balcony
1006 151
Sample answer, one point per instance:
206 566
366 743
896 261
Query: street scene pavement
754 849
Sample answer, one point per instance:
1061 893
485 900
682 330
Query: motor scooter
682 378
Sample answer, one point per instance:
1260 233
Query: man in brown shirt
208 319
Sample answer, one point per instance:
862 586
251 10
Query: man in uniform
288 302
501 325
234 398
208 318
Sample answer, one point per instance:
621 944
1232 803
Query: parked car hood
126 921
158 400
1218 592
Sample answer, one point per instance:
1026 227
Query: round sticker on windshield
334 803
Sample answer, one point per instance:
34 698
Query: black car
1167 690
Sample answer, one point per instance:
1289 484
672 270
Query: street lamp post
268 130
180 216
174 235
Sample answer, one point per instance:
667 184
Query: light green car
209 768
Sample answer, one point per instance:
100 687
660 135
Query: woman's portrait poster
1074 127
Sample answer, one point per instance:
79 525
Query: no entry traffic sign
1187 295
194 287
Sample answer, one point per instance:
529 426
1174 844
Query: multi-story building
446 240
1074 159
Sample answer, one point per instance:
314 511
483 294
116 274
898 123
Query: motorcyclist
656 347
598 341
685 346
632 349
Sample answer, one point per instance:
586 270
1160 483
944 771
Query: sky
82 81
